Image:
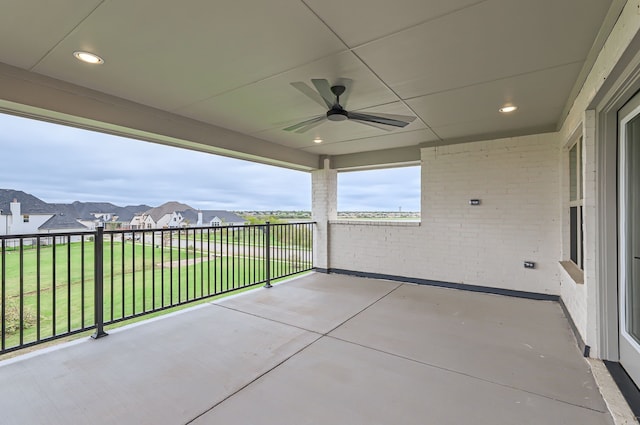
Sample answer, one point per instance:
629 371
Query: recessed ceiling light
507 109
88 57
317 140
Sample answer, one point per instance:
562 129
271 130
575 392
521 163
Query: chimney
15 208
199 223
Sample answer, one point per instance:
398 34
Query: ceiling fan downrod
337 113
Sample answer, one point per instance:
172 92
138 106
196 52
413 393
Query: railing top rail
297 222
157 229
124 231
175 229
47 235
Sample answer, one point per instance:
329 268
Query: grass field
51 289
280 235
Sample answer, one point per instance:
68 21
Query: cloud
388 189
65 164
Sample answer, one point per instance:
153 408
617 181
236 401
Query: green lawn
280 236
56 283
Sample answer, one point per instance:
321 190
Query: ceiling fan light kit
335 114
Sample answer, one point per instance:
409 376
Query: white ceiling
229 64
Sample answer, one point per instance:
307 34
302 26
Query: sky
64 164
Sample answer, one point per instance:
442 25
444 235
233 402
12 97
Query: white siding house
173 219
18 221
221 218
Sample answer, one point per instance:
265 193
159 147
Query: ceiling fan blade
325 91
311 125
347 83
374 124
378 119
407 118
309 92
302 124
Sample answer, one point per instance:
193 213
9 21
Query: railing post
98 296
267 247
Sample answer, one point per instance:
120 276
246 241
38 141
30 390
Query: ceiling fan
335 98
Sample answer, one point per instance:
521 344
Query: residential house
166 215
175 214
190 218
22 213
137 222
112 216
219 218
92 213
62 223
125 215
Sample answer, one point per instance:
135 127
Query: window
388 193
25 218
576 194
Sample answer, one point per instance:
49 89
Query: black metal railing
56 285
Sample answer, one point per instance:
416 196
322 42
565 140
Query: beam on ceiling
385 158
35 96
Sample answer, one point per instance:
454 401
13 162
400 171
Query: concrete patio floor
319 349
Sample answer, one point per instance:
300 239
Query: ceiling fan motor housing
337 114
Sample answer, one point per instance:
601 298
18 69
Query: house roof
225 216
450 63
29 204
86 210
62 222
67 214
167 208
126 214
190 215
66 209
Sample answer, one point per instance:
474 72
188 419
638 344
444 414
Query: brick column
324 200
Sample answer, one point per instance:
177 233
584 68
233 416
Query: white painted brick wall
574 297
517 181
324 208
582 301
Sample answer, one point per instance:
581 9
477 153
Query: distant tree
252 219
112 225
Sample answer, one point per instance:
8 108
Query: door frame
628 346
622 83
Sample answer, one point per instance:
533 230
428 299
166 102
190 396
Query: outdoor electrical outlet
529 265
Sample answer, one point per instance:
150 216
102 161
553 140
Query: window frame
576 203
